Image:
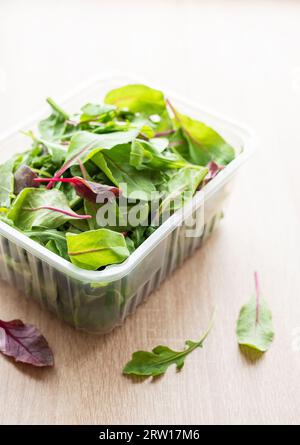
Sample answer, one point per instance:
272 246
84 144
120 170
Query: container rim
117 271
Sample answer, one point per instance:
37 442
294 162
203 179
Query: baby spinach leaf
204 143
157 361
96 248
137 98
24 343
116 166
254 326
6 183
47 209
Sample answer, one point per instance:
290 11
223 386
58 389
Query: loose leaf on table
96 248
254 326
6 183
24 343
137 98
155 363
47 209
55 125
89 190
24 177
204 143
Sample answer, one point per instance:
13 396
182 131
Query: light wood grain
242 59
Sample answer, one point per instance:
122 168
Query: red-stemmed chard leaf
24 343
24 177
69 163
86 189
254 326
58 210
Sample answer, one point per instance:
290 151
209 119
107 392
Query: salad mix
95 184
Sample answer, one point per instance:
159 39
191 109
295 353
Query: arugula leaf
137 98
204 143
155 363
96 248
254 326
6 183
55 125
47 209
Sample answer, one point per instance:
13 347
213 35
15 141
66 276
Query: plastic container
99 301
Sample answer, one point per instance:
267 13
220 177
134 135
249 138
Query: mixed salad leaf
156 362
24 343
254 327
120 156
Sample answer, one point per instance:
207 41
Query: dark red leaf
24 177
24 343
213 170
86 189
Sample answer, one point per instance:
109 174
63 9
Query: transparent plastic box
98 301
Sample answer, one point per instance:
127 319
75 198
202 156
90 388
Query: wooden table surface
242 59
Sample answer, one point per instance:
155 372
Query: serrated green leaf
157 361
